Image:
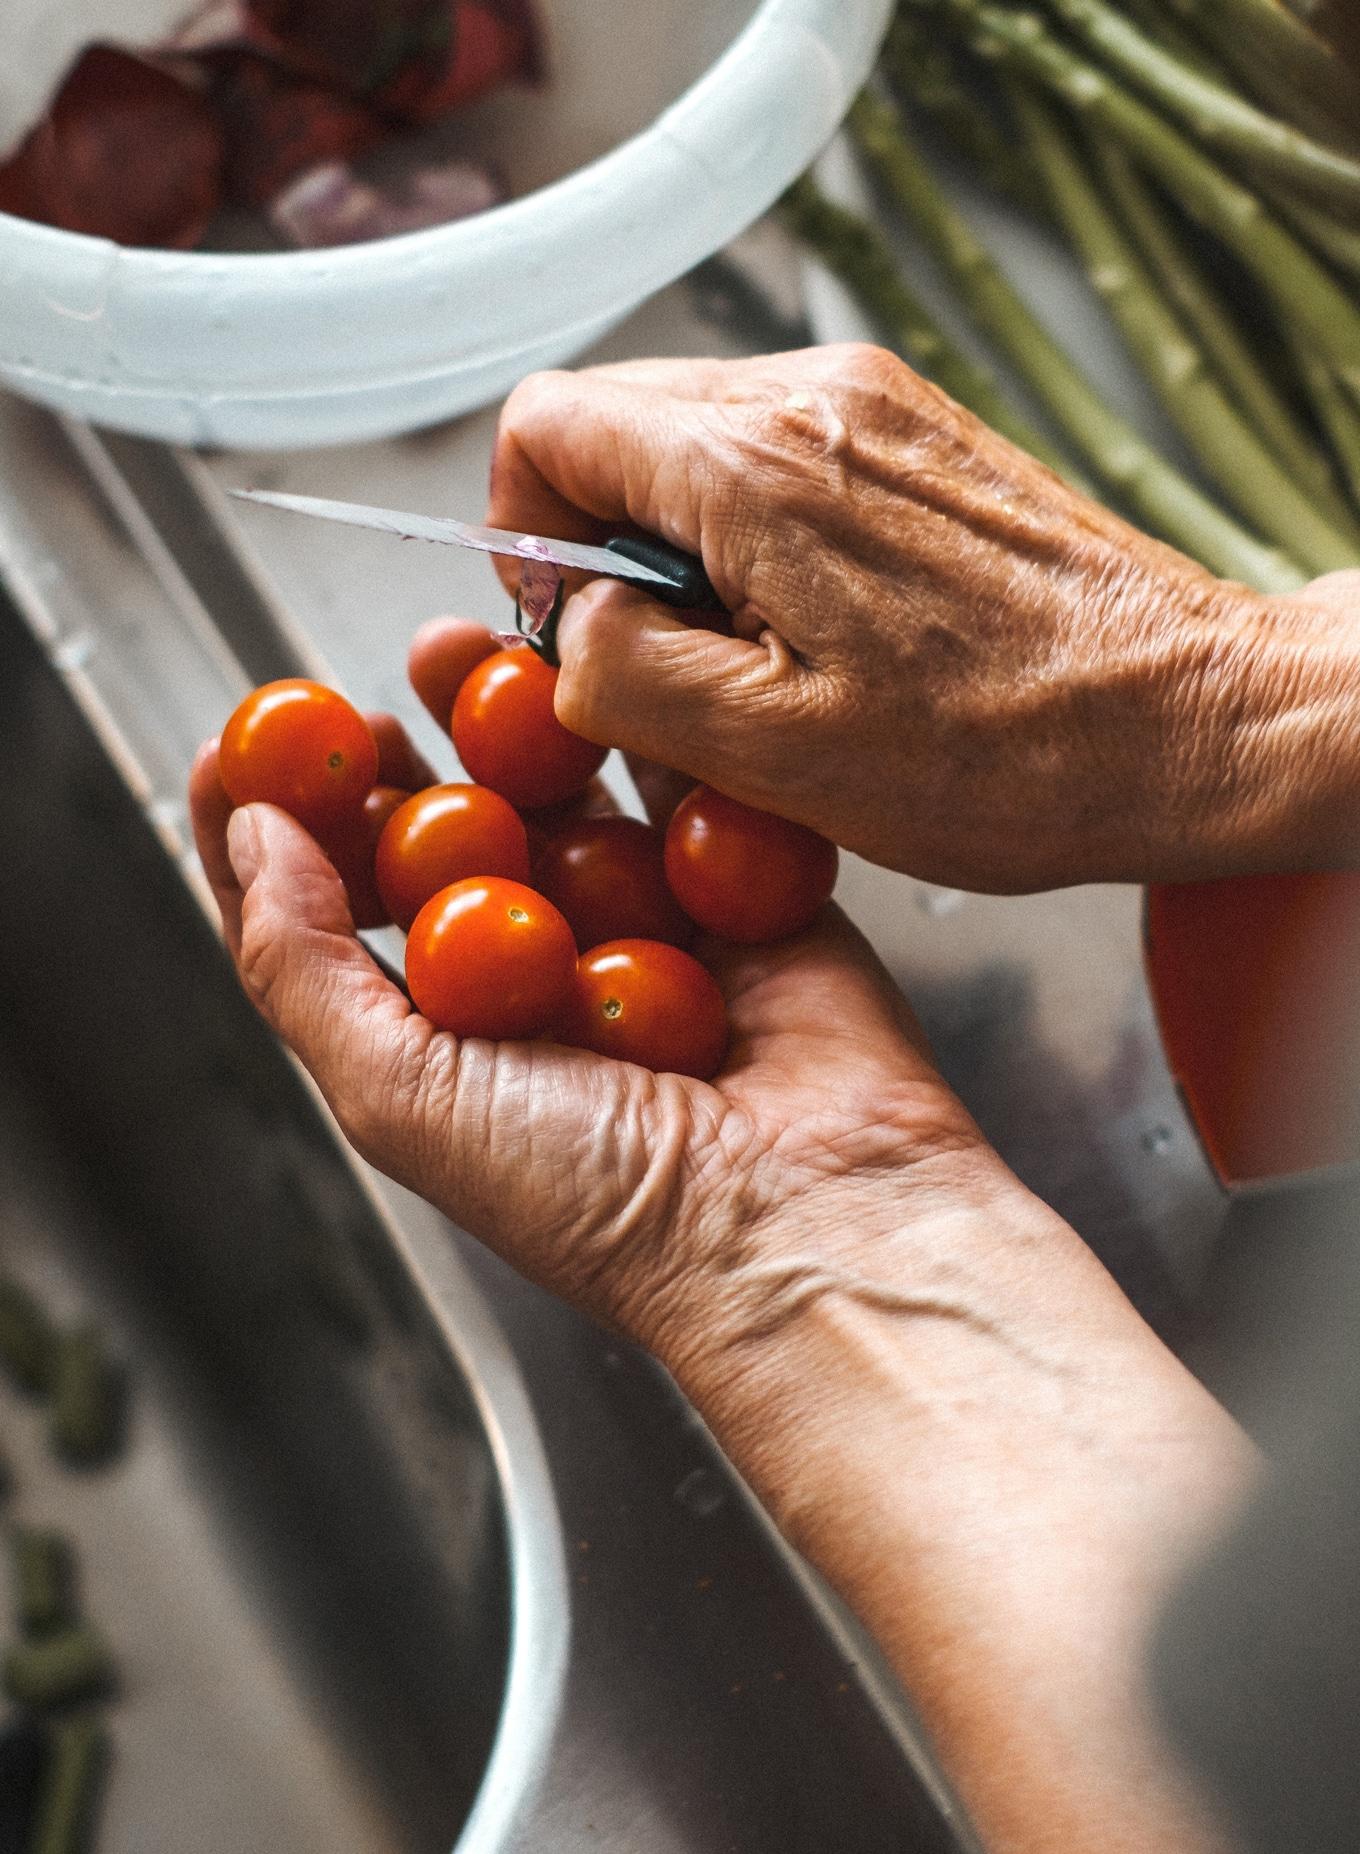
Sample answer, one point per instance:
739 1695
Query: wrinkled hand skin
664 1206
943 657
938 1392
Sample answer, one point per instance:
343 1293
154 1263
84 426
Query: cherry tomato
608 876
300 746
509 738
352 847
645 1002
490 958
442 656
744 874
445 835
398 762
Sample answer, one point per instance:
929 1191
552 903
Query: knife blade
667 573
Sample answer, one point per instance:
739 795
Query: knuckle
281 942
585 651
528 399
864 367
575 701
261 956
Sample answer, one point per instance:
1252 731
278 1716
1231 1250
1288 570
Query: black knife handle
690 590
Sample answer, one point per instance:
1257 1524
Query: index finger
579 455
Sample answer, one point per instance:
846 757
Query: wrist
1000 1469
920 1314
1268 735
906 1243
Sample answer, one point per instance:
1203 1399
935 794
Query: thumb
636 676
313 980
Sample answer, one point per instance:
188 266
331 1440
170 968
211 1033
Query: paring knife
666 573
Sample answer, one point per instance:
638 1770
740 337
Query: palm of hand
655 1202
636 1195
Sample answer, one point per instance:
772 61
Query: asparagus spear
1287 66
87 1391
70 1792
57 1670
926 67
1169 33
1223 441
1125 462
1302 287
44 1581
1213 113
860 256
28 1339
1229 353
1336 411
1338 243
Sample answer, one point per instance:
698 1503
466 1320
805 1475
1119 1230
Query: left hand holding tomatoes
824 1059
906 1355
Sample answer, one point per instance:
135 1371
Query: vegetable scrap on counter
58 1670
266 105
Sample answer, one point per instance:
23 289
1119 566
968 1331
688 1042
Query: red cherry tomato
399 764
443 654
509 738
744 874
445 835
353 846
645 1002
608 876
490 958
300 746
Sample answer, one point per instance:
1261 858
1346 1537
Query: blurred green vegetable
1202 160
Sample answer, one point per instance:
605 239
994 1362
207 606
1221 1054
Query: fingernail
244 847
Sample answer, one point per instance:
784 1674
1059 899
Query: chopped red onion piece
539 586
331 205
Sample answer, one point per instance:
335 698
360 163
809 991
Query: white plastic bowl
326 347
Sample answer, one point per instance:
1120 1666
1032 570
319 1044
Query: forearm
975 1438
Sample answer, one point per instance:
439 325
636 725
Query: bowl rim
142 263
278 349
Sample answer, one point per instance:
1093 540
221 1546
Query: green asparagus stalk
1169 33
1155 492
1223 441
1214 114
857 253
1336 413
69 1796
1290 69
924 66
58 1670
1243 375
87 1398
1340 244
44 1580
28 1340
1301 286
